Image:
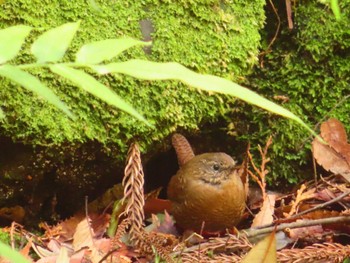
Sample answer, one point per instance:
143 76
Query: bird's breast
218 205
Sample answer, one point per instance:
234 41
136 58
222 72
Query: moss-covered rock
217 37
310 67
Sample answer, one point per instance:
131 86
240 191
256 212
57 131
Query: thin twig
212 244
267 50
88 220
334 200
253 164
336 186
110 252
304 223
256 179
315 171
289 14
13 229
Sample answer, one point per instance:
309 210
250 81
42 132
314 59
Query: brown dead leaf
63 256
99 224
321 213
43 252
333 132
83 236
325 195
25 251
263 252
255 198
51 259
302 232
78 257
68 227
335 156
156 205
109 197
330 160
83 240
154 193
162 224
96 255
265 215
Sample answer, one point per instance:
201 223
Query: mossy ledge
57 155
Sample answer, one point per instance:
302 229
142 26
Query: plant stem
304 223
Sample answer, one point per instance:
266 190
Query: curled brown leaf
335 156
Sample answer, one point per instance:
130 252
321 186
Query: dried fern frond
162 244
219 258
143 241
133 182
317 253
121 231
221 249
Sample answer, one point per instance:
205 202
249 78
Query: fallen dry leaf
83 240
63 256
43 252
333 132
335 156
51 259
302 232
330 160
155 206
96 255
324 195
83 236
25 251
263 252
265 215
162 223
78 257
68 227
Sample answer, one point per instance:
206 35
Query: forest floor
310 224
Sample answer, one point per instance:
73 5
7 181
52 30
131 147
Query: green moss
310 65
4 237
216 37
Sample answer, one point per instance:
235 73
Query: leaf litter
308 225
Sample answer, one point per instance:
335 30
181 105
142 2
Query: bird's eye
216 167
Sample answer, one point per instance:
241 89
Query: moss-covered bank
310 66
217 37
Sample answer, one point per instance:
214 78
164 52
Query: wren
207 193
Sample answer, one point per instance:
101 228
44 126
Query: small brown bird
207 190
